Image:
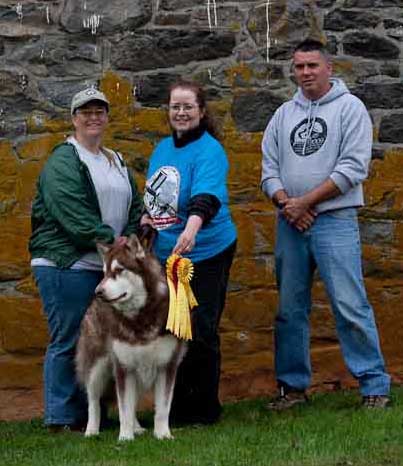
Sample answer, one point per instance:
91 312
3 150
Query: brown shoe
287 399
376 401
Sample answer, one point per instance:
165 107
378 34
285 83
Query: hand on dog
121 240
146 220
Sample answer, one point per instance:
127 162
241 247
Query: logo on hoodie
308 136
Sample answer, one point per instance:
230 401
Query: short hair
313 45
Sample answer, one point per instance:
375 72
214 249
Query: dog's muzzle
100 295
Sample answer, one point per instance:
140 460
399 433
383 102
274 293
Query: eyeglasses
186 108
87 113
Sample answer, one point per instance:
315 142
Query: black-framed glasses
186 108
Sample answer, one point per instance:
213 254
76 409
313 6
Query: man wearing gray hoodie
316 153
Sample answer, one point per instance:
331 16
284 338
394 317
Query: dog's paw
163 434
125 437
91 432
139 430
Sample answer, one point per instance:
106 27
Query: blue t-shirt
175 175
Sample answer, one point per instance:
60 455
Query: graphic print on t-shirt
161 196
308 136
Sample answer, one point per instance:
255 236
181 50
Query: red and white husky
123 334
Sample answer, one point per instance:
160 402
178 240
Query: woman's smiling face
90 120
184 110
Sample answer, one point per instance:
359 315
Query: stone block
19 30
59 93
21 371
14 259
30 13
151 121
252 272
341 20
252 111
324 3
332 44
387 95
253 308
360 3
8 177
170 19
371 3
255 223
222 17
391 128
152 89
172 5
377 232
22 326
244 177
61 56
100 17
369 45
165 48
391 68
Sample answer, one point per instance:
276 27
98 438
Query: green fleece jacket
66 218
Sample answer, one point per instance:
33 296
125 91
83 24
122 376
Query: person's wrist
279 201
307 202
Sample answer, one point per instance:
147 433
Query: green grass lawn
331 430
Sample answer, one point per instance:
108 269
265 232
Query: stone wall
240 50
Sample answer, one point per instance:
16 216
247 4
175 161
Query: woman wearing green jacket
85 194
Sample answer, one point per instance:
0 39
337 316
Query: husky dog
123 334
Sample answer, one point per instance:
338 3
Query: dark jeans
196 391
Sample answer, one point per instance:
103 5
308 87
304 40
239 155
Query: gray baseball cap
85 96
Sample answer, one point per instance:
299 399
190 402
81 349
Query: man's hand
298 213
294 208
279 198
305 222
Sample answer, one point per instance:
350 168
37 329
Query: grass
331 431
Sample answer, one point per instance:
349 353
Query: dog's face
123 284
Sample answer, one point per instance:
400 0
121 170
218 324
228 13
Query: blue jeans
332 245
66 295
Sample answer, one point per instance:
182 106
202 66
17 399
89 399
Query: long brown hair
207 121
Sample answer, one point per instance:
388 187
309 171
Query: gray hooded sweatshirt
307 142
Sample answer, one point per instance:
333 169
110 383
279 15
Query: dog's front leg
163 398
95 387
127 397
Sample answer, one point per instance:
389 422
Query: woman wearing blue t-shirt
186 200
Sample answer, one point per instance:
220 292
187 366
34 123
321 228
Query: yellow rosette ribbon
181 297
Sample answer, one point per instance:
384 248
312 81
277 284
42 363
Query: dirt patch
27 403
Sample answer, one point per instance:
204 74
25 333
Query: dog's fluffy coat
123 334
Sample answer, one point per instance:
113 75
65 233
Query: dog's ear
102 249
134 245
147 236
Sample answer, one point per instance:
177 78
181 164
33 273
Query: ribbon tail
191 297
172 306
184 324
